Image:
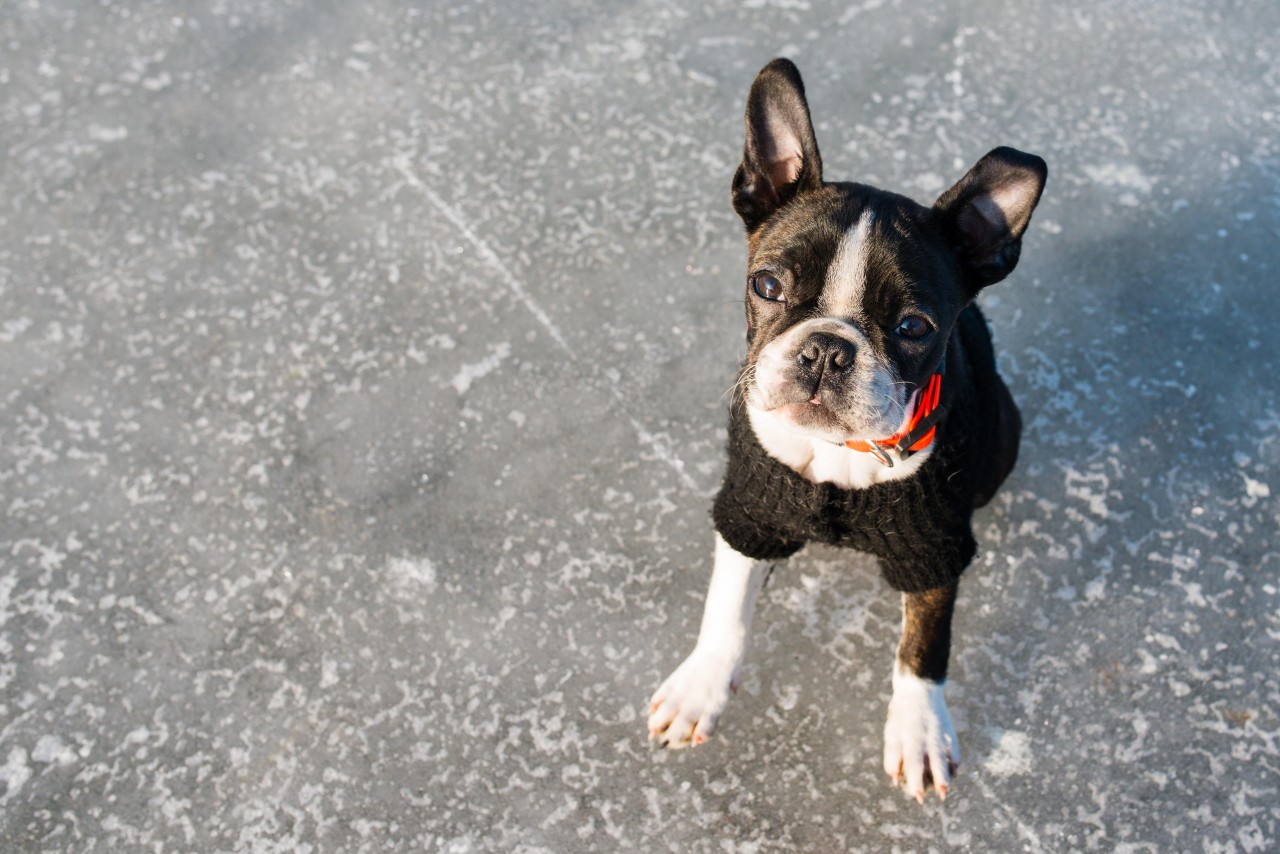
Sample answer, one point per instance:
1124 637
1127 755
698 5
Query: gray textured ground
361 401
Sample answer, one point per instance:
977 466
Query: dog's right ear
780 157
988 211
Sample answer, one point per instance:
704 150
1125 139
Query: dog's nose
829 352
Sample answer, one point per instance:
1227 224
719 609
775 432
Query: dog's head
852 292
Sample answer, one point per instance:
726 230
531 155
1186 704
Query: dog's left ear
988 210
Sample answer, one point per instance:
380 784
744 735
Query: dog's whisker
744 378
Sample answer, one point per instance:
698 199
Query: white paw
685 709
919 742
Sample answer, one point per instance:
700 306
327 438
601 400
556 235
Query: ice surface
361 375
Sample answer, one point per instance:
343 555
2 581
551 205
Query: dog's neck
922 426
821 461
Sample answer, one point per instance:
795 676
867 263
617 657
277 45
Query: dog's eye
768 286
913 327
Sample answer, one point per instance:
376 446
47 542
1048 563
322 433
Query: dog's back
1003 430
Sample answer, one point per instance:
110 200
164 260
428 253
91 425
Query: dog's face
851 291
851 296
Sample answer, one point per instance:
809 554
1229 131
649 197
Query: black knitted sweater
919 527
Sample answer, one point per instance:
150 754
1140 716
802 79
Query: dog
869 413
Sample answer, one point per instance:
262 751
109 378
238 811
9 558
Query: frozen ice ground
361 398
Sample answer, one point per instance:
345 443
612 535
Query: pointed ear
780 157
989 209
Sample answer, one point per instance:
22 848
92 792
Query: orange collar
920 429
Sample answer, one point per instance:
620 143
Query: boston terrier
869 413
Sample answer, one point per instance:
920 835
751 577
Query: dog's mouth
811 415
825 414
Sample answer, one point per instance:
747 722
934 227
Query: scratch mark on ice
517 288
488 255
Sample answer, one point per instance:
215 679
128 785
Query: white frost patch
1149 664
51 749
1095 589
1081 485
1128 176
858 9
1195 594
98 133
788 696
154 84
1255 488
412 575
786 5
14 773
504 617
1012 754
328 673
7 583
13 328
630 50
470 373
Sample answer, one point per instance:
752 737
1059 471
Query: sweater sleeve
935 566
744 526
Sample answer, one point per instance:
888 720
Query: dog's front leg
685 709
919 742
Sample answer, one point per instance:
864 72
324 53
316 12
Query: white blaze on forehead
847 275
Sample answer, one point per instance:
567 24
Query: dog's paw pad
684 711
920 746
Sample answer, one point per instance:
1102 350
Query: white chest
825 462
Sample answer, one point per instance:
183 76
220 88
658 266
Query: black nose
828 352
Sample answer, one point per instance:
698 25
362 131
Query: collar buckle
880 454
920 431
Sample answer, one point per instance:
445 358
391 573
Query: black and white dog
869 413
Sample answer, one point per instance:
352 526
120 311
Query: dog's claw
920 749
688 705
